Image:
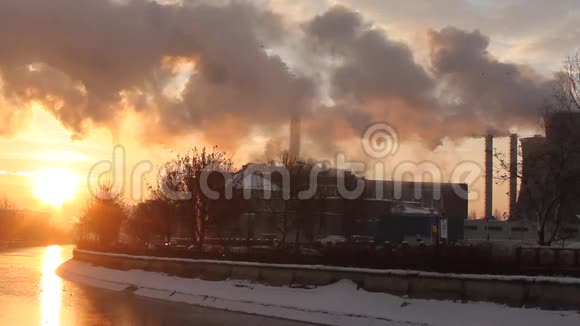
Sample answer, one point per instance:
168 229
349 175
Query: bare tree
301 220
103 215
185 175
283 227
150 219
6 215
472 215
550 174
5 203
295 214
569 90
286 159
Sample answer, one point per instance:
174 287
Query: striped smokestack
488 176
513 173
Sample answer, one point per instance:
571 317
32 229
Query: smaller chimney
488 176
513 174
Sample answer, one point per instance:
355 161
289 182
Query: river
32 294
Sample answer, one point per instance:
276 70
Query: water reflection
51 287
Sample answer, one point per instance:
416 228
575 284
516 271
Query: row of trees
179 189
103 215
23 226
177 202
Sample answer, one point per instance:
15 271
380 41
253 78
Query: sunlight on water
51 286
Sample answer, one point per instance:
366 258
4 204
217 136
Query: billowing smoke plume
466 92
209 68
376 79
479 87
87 60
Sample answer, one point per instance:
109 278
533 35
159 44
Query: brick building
265 202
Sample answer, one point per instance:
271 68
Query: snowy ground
337 304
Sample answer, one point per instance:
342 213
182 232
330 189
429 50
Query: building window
470 227
494 228
519 229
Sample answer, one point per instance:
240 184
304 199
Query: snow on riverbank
337 304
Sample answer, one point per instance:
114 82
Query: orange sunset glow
55 186
238 88
290 162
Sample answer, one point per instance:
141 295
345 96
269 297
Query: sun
54 186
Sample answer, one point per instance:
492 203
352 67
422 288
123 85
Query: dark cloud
465 92
88 61
98 57
371 65
376 78
492 94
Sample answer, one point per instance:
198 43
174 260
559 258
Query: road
32 294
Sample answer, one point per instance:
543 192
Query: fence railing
443 258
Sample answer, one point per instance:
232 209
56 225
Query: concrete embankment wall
545 292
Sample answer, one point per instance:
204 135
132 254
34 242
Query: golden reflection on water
51 287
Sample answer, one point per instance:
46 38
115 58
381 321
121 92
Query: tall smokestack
488 176
295 136
513 173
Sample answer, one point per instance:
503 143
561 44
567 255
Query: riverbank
548 292
32 294
340 303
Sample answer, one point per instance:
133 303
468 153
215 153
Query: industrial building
381 211
549 175
551 167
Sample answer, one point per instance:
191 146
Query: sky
80 77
